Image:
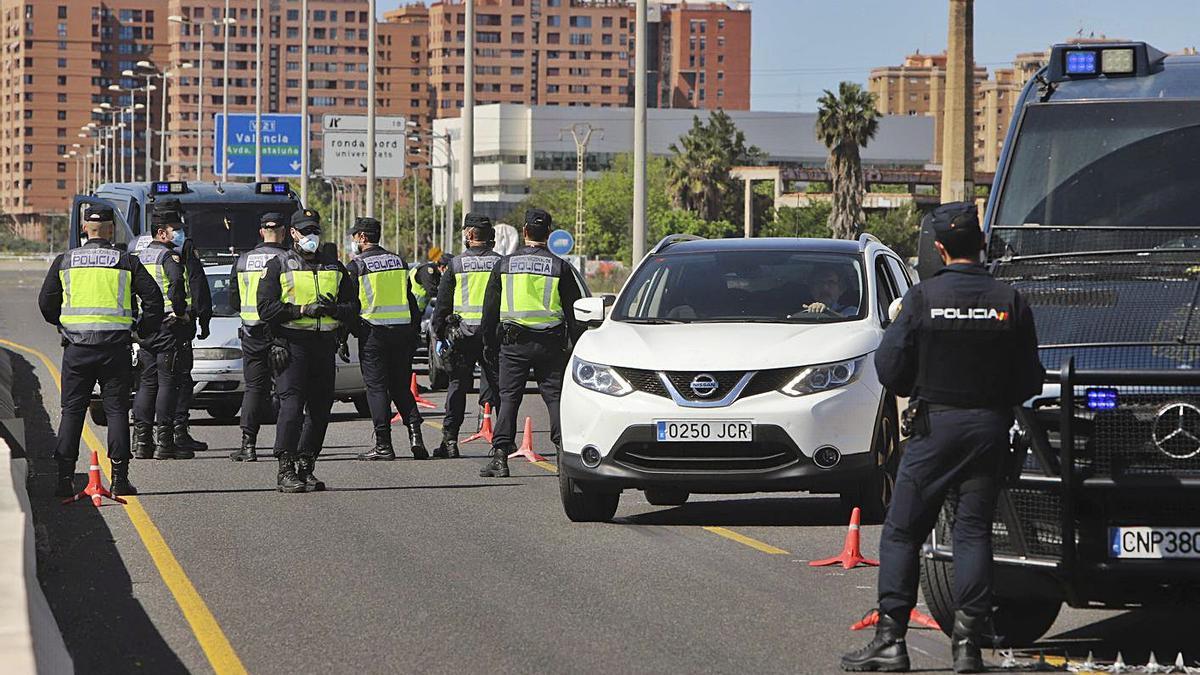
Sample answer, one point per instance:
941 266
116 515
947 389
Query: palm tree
698 168
846 121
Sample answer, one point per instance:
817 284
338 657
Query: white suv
732 366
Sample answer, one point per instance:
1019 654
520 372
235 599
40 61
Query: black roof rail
673 239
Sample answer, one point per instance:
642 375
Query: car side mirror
589 311
893 310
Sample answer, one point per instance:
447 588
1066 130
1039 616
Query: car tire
666 496
583 505
361 406
1018 622
96 412
224 412
875 494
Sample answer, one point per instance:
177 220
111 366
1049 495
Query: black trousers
187 386
305 390
547 357
158 389
461 380
256 373
82 368
385 357
963 455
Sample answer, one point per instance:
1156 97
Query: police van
1094 217
222 221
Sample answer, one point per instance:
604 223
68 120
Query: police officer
461 294
387 337
160 356
254 332
89 294
964 348
426 279
527 323
305 296
200 314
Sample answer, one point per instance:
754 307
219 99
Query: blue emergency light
1082 63
1101 399
175 187
1088 61
272 188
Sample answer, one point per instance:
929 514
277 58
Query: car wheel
666 496
1017 622
224 412
361 406
96 412
584 505
875 494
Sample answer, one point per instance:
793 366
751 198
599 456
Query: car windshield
1122 170
218 285
218 226
745 286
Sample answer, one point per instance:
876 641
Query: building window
606 22
518 20
62 11
581 22
62 167
554 20
62 114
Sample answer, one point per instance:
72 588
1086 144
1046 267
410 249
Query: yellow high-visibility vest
471 271
383 288
530 297
249 272
303 287
97 294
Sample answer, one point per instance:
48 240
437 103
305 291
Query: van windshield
220 226
745 286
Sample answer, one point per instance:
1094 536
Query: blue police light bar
175 187
1101 399
277 188
1082 63
1087 61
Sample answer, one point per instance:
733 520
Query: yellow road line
204 625
747 541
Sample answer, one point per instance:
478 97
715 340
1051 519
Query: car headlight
813 379
596 377
216 354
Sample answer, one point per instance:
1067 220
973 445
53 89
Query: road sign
344 146
560 242
282 137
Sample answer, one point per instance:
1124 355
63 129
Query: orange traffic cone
850 556
416 394
485 432
95 488
526 449
915 616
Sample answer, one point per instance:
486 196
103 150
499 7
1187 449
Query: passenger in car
829 293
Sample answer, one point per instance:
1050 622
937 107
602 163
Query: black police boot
966 640
64 487
249 450
382 452
287 480
887 652
448 448
143 440
164 444
120 479
416 442
304 472
184 440
497 467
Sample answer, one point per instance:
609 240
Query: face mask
309 243
178 238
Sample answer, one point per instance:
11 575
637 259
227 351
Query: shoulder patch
293 264
176 258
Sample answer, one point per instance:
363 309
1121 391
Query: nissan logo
1177 430
705 385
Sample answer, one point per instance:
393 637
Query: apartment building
701 55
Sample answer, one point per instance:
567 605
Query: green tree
897 228
698 168
846 122
806 221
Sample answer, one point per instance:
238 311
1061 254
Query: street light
146 70
165 76
225 98
201 26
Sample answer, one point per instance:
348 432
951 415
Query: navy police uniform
964 348
200 316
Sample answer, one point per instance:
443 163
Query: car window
745 286
218 285
900 274
885 286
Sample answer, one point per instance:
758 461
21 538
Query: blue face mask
178 238
309 243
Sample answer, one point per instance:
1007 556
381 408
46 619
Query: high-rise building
701 55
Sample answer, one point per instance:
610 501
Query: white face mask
309 243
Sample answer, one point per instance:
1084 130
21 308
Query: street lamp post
225 99
149 72
258 26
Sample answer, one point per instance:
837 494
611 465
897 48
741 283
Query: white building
515 144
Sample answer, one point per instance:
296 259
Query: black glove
279 357
203 331
343 352
312 310
328 305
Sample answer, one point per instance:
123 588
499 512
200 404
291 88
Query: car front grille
644 380
705 457
1022 515
726 381
762 382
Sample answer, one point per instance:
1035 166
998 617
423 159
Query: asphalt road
422 566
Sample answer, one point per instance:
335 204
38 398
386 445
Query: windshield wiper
744 319
651 322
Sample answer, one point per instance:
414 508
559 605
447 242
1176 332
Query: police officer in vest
527 322
387 337
254 333
200 313
964 348
89 294
426 279
160 356
305 296
461 294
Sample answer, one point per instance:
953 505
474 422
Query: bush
899 229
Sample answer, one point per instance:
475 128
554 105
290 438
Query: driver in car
827 289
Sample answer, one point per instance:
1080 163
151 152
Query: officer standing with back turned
200 314
254 333
528 323
89 294
387 338
964 349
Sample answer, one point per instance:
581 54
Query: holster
914 421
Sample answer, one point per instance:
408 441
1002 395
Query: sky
802 47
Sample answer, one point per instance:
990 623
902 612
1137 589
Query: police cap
306 221
956 223
445 259
538 223
368 226
270 221
482 223
99 214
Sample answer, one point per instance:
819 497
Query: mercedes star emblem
1177 430
705 385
